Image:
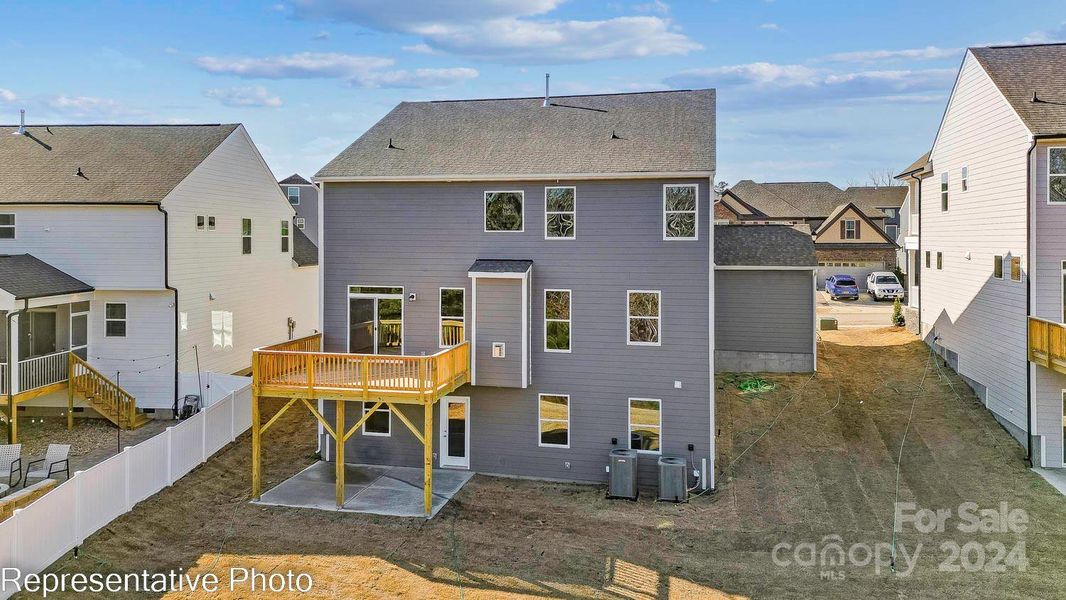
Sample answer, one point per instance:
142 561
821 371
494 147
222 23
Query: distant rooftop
809 199
294 179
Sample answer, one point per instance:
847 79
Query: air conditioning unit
622 474
673 485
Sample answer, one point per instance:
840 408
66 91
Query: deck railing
41 371
103 394
1047 344
324 374
310 343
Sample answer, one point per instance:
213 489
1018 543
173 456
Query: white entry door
455 432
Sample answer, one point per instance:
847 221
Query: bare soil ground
827 467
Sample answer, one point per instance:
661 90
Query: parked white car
882 284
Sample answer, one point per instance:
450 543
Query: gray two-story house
303 196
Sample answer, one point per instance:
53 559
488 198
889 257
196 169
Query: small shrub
897 313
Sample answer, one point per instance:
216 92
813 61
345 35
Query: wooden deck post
427 456
257 480
70 391
339 429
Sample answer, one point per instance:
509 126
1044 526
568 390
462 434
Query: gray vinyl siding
1050 244
308 209
426 236
499 319
764 311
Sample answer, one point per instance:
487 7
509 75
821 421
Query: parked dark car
841 286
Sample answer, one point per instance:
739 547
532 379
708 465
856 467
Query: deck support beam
427 456
70 396
257 480
340 407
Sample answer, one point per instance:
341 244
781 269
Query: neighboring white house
908 256
149 251
992 248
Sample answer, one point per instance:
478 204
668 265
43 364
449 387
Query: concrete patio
373 489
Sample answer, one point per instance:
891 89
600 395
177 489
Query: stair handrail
126 403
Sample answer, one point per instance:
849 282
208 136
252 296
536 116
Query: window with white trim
645 425
939 260
1016 268
378 424
560 213
246 236
557 320
943 191
681 212
892 231
452 317
997 267
221 329
851 229
643 316
300 222
554 420
294 194
200 220
965 178
284 235
7 226
115 319
1056 181
505 211
211 223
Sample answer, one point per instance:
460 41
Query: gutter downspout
1028 299
11 362
166 284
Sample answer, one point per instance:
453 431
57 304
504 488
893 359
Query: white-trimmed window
284 235
997 267
965 178
7 226
115 319
505 211
452 317
294 194
560 213
645 425
211 223
246 236
892 231
222 329
643 317
300 222
943 191
681 211
1056 180
851 229
200 220
557 320
378 424
1016 268
939 261
554 420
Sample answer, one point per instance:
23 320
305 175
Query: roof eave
516 176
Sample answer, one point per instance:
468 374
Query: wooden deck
1047 344
300 371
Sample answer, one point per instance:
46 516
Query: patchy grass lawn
826 468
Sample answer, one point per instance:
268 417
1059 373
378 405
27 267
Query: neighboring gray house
992 212
569 242
303 196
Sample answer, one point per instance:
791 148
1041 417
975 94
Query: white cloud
418 48
358 70
321 36
7 95
255 95
508 31
927 53
770 27
1057 34
656 6
87 107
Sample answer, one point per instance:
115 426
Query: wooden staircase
103 395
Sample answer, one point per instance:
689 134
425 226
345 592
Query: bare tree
876 178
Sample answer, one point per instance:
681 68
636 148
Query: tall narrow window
680 212
1016 268
200 219
115 319
892 231
379 423
284 236
927 254
211 223
917 270
965 178
560 213
943 191
1056 183
557 320
997 267
939 260
645 424
851 229
294 195
7 226
246 236
504 211
644 316
452 317
554 415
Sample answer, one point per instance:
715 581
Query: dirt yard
815 457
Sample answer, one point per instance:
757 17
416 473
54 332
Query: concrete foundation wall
763 362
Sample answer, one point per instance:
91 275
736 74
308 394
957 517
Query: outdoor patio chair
10 463
55 461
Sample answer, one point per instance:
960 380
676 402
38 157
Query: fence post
203 436
170 471
232 415
126 461
16 540
78 538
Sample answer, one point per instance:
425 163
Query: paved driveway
864 312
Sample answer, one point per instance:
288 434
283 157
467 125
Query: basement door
455 432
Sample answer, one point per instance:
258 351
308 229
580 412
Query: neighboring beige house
146 265
992 248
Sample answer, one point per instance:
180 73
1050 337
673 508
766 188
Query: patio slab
372 489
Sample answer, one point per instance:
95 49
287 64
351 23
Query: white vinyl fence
41 533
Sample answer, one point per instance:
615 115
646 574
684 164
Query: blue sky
808 89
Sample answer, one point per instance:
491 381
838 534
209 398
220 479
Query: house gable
833 229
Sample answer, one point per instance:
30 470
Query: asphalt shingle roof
814 199
869 199
1021 71
655 132
304 251
133 164
763 245
294 179
917 166
26 276
488 265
